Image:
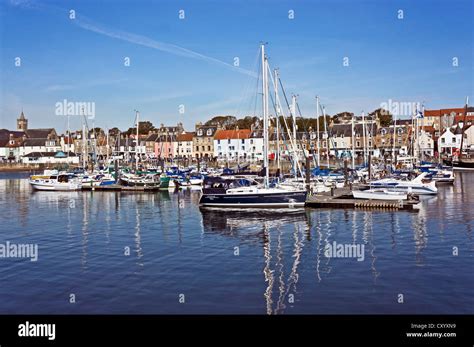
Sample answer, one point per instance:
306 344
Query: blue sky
189 61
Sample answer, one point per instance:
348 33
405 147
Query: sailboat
247 193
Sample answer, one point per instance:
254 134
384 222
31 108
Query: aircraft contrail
87 24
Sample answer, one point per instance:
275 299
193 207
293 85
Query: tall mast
364 138
265 115
137 142
84 142
277 120
394 140
293 113
317 131
107 150
353 144
68 138
326 136
463 126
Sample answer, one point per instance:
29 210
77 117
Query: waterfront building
446 117
203 141
385 136
185 145
50 158
10 144
254 146
166 146
425 145
231 144
450 141
150 145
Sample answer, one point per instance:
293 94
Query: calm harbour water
281 268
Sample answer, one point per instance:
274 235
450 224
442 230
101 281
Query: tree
143 128
114 131
227 122
383 115
247 122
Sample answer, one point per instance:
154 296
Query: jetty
342 198
119 188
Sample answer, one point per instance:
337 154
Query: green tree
143 128
227 122
383 115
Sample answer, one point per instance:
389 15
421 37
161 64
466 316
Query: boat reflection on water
280 231
245 223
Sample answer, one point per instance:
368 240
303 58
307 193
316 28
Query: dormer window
383 132
200 132
209 132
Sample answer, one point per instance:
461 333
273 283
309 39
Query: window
242 141
443 140
218 142
209 132
399 141
453 140
203 148
208 148
243 148
251 142
357 143
200 132
197 148
228 141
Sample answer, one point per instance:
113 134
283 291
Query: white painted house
254 146
450 141
230 144
426 144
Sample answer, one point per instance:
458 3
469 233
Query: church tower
22 123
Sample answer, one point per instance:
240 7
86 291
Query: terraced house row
439 133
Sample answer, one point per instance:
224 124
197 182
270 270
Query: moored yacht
416 186
245 193
58 182
231 192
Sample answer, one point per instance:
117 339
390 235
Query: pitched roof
39 133
35 142
186 136
204 129
443 111
232 134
